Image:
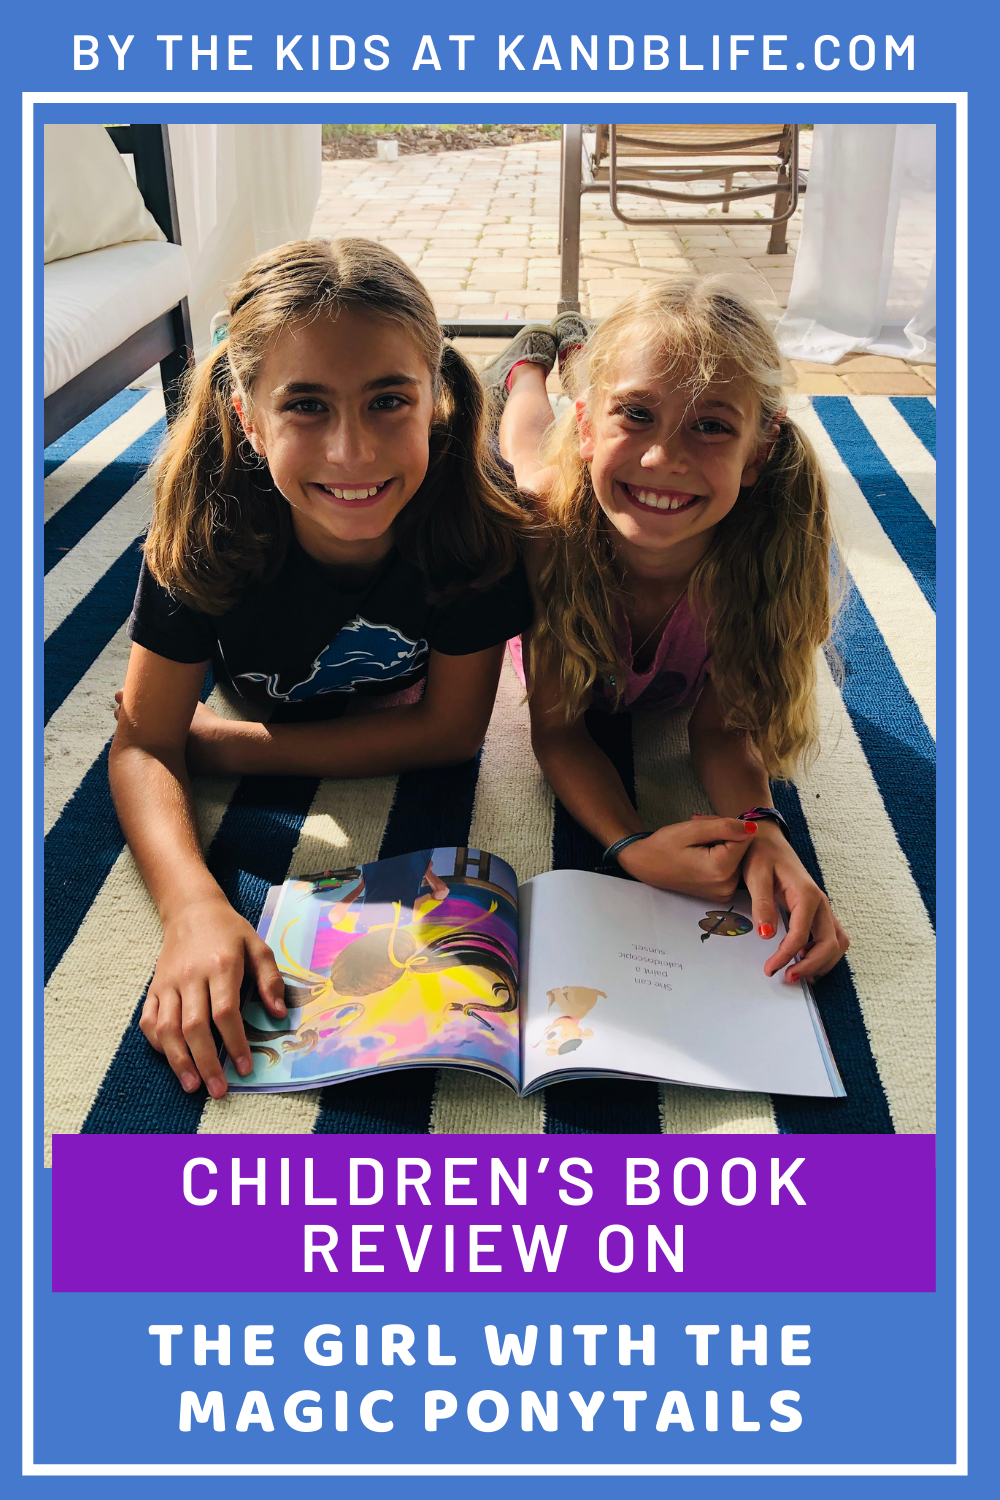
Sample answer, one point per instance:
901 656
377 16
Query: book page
407 961
619 977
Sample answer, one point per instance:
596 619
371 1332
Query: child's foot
572 331
534 345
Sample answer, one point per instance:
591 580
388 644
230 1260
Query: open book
439 959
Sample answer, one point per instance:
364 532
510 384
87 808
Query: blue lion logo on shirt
360 652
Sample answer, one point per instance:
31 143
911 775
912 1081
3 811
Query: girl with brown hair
331 534
687 566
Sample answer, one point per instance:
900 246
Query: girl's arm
700 857
207 946
734 780
448 725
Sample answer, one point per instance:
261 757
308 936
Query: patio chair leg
729 188
777 244
569 218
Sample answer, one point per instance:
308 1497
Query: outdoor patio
481 229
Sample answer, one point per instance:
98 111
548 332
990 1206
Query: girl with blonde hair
687 566
330 533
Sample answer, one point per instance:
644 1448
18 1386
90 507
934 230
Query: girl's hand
773 871
701 857
207 949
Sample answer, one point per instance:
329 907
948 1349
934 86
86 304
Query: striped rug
862 820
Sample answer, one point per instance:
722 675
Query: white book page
619 977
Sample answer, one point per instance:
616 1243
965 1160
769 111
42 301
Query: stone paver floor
480 228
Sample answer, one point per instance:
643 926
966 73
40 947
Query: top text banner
448 1213
524 55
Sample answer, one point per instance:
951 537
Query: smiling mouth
659 500
356 493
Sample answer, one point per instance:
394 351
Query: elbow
456 748
466 747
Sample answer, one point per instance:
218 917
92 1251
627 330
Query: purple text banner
699 1213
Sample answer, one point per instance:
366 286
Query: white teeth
365 494
661 502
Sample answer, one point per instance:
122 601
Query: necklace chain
659 624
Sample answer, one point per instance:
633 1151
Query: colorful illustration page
619 977
406 961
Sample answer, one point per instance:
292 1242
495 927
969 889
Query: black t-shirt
302 646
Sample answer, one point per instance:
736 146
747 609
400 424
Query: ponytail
763 593
219 527
463 525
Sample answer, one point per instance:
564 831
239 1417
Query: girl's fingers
198 1037
270 985
225 990
721 830
828 946
148 1019
169 1038
796 939
763 909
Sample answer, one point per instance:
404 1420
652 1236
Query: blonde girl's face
668 465
342 411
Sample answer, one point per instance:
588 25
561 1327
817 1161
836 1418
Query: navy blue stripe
431 807
73 520
80 849
71 442
865 1111
896 741
921 417
75 645
904 522
250 852
599 1106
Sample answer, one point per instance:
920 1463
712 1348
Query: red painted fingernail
766 930
792 975
750 827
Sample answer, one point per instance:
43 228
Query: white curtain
241 189
864 273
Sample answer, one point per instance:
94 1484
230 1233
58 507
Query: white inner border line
339 99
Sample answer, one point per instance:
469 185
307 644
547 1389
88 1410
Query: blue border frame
944 117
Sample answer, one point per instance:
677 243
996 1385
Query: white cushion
95 302
90 198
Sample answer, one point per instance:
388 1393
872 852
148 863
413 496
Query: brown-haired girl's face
666 464
342 411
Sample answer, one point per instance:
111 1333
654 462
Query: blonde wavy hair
220 526
763 589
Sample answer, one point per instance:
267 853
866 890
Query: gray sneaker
572 330
534 345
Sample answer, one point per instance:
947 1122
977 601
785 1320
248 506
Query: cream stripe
69 479
514 810
82 725
472 1104
902 614
344 826
74 577
512 817
876 899
901 446
667 791
689 1111
91 996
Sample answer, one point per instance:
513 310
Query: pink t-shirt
674 678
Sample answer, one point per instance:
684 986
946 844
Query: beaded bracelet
767 814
